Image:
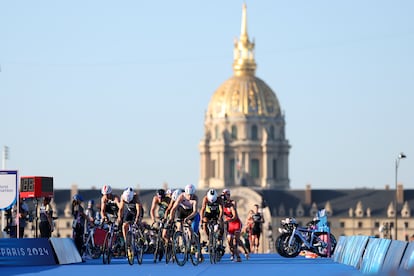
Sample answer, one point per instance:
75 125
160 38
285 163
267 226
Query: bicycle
92 244
159 242
186 244
168 250
215 247
113 243
135 243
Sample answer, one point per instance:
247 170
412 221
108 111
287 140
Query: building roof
341 201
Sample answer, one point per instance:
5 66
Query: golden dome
243 94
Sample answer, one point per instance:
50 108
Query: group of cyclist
181 204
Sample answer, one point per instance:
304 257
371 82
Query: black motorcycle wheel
286 250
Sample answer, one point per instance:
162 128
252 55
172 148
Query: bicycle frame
213 230
186 235
90 247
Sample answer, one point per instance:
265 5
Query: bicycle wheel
179 248
130 247
168 252
195 250
212 248
139 246
107 248
91 250
96 252
219 248
159 247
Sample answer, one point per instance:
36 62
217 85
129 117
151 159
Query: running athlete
186 207
247 230
109 204
234 225
160 200
129 210
211 209
258 220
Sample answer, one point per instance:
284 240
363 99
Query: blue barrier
407 261
26 252
353 250
394 255
374 255
339 249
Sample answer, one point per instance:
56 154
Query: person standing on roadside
18 217
46 218
78 224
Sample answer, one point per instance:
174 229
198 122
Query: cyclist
258 220
129 210
162 201
233 225
167 215
174 197
211 209
109 204
186 207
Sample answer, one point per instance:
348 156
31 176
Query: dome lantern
244 63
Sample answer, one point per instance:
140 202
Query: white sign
8 189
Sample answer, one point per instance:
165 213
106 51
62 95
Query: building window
254 133
360 224
255 168
234 132
272 133
342 224
232 169
274 169
213 168
68 225
377 224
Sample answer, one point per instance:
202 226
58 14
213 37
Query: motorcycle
293 239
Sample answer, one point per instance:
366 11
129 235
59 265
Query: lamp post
397 162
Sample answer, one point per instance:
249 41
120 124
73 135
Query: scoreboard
36 186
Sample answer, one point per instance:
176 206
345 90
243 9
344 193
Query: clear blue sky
95 92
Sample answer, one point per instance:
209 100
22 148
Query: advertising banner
8 189
26 252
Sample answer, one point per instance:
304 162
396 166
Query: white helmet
211 195
128 194
190 189
106 189
176 193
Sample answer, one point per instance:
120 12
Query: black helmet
161 192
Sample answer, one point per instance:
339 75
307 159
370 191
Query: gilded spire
244 63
